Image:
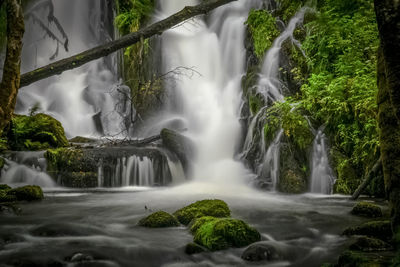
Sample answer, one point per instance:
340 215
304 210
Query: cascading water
81 99
210 103
322 178
270 87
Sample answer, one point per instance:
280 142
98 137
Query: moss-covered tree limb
367 180
11 74
388 18
127 40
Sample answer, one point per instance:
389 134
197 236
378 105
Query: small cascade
322 177
26 168
269 84
269 169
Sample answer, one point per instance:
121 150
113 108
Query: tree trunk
388 18
11 74
368 178
125 41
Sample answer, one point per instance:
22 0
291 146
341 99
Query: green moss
255 103
221 233
288 8
66 159
159 219
376 229
36 133
80 139
263 30
3 27
2 162
292 182
369 244
366 209
215 208
27 193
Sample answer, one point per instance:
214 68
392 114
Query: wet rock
361 259
369 244
193 248
366 209
79 257
4 187
159 219
182 146
376 229
260 252
64 229
8 208
82 140
37 132
27 193
208 207
221 233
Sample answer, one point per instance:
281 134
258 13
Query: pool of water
102 225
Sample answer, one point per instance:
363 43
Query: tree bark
11 73
127 40
368 178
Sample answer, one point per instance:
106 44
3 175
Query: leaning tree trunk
388 17
125 41
11 73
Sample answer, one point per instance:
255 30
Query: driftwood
368 178
125 41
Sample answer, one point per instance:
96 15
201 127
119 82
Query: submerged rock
36 132
366 209
260 252
79 257
193 248
208 207
377 229
221 233
159 219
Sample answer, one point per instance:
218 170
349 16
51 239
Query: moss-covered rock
159 219
5 197
364 243
27 193
221 233
2 162
193 248
376 229
263 30
81 139
367 209
260 252
4 187
36 132
292 182
361 259
208 207
347 178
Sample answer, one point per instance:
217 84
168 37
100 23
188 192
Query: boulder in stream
367 209
260 252
207 207
375 229
159 219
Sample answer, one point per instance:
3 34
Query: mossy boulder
367 209
364 243
27 193
82 140
4 187
159 219
193 248
375 229
37 132
221 233
260 252
5 197
208 207
361 259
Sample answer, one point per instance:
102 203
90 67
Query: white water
75 96
322 178
269 84
210 102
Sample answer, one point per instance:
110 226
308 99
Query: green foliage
263 30
256 103
341 90
288 8
159 219
36 133
221 233
65 159
133 14
288 117
208 207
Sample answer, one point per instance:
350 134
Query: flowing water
101 224
84 100
322 177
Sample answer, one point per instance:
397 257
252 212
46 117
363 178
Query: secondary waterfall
322 178
84 100
209 102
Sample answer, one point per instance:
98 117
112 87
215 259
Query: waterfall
322 178
209 103
84 100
